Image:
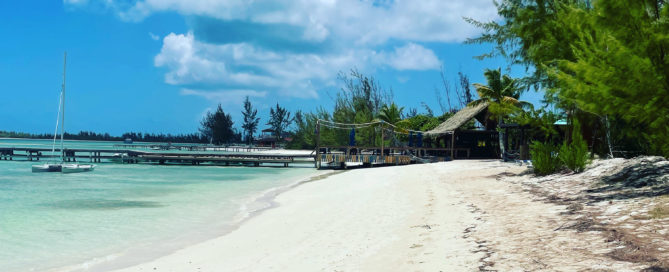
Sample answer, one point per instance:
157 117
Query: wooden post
317 159
382 154
453 145
506 139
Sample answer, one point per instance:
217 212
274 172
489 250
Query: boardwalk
127 156
159 157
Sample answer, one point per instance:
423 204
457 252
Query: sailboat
61 166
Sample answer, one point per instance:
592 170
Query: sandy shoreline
451 216
348 221
254 205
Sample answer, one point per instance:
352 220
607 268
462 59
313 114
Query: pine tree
622 67
250 120
606 58
218 127
279 120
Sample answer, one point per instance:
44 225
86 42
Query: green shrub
575 155
544 158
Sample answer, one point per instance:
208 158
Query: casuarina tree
217 126
250 124
279 120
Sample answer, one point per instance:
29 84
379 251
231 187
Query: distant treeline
135 136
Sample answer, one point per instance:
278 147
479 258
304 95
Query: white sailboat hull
47 167
77 168
61 167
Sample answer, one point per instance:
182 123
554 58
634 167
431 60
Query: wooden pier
201 147
134 156
329 157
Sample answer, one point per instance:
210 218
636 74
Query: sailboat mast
62 122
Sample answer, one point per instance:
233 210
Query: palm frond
510 100
478 102
484 91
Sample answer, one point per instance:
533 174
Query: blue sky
158 65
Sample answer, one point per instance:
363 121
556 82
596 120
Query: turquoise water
75 144
118 211
45 143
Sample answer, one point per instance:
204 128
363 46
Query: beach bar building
267 138
465 142
456 138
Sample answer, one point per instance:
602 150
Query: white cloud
292 74
75 2
226 97
154 36
185 62
413 57
346 33
365 22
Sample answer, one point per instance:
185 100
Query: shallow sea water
52 220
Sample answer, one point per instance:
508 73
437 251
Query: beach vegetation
304 131
362 100
425 122
304 134
574 151
605 59
502 94
541 123
545 158
659 212
391 114
251 120
359 101
462 90
217 126
135 136
279 121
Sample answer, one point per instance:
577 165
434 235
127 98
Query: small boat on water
61 166
47 167
77 168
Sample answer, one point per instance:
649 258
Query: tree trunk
501 138
608 137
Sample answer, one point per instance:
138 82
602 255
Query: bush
575 155
544 158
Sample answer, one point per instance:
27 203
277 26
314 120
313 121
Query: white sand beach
451 216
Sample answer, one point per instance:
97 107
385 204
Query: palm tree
391 114
502 94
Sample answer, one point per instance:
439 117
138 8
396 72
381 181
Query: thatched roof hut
479 143
480 112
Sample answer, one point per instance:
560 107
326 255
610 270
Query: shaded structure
454 138
478 143
267 138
